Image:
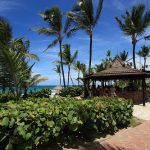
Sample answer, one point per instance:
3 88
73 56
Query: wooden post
143 89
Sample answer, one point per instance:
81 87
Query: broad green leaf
9 147
5 121
12 122
28 136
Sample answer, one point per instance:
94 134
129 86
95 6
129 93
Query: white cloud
7 5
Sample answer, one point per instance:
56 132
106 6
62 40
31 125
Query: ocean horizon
35 88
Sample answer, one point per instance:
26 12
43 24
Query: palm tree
55 28
144 52
108 53
68 58
123 55
5 37
83 15
77 67
58 70
134 25
17 66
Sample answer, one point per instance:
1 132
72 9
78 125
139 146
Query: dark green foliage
43 93
32 122
71 91
7 97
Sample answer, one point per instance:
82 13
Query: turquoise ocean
36 88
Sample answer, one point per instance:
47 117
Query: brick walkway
137 138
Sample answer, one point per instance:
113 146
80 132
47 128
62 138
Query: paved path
137 138
142 112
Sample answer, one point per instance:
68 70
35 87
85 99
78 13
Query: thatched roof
118 70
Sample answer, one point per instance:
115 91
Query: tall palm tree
123 55
144 52
54 18
58 70
134 24
68 58
77 67
85 18
5 37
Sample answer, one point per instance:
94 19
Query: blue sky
23 16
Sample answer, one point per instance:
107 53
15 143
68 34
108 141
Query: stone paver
142 112
137 138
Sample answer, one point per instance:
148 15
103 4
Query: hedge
5 97
42 93
71 91
30 123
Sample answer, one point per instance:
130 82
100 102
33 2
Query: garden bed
34 122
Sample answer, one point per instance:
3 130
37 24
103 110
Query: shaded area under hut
123 72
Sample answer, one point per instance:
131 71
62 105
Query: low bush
43 93
26 124
6 97
71 91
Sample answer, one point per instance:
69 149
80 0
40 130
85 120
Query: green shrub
71 91
43 93
6 97
26 124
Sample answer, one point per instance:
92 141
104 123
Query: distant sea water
35 88
39 87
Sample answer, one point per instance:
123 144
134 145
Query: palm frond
147 37
45 31
98 11
31 56
52 44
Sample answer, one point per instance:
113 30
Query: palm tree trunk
134 64
144 64
78 77
71 79
68 74
90 60
60 78
61 60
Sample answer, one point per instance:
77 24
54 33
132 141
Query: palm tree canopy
67 56
57 69
144 52
135 22
77 66
35 80
5 31
84 16
108 53
123 55
53 17
55 27
83 69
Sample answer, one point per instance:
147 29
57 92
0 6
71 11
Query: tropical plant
134 25
123 55
68 58
77 67
122 84
58 70
145 53
71 91
55 28
43 93
5 37
84 17
5 31
16 58
31 123
108 53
